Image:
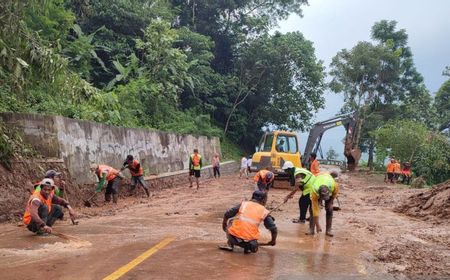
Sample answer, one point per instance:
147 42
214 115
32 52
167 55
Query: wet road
193 219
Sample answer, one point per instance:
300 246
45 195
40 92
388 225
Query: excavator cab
274 149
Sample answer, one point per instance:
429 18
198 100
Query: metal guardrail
340 163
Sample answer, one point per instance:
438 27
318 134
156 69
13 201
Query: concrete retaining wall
79 143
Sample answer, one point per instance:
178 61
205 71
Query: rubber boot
312 226
107 197
147 192
329 223
115 197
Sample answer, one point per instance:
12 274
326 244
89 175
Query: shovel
87 202
337 208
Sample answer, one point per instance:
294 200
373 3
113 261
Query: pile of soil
433 203
413 259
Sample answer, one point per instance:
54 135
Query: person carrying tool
137 173
241 223
44 208
304 179
264 180
324 188
314 164
195 165
107 176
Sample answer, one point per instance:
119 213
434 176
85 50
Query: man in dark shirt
241 224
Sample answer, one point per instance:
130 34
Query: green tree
433 159
394 139
331 154
442 102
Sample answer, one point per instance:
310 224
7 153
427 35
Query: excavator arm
351 150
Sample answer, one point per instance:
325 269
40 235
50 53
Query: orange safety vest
111 173
195 159
133 167
36 195
390 167
397 168
262 175
246 223
315 167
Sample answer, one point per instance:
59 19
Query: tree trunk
371 150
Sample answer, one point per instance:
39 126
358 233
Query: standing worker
216 165
264 180
406 173
195 165
390 171
44 208
107 176
244 169
304 183
397 171
314 164
324 188
137 173
245 219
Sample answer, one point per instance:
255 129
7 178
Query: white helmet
47 182
287 164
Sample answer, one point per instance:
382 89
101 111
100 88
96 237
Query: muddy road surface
175 234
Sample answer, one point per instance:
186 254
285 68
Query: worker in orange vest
314 164
241 223
390 171
137 173
397 170
406 173
109 177
195 166
264 180
44 208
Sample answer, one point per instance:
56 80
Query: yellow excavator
277 147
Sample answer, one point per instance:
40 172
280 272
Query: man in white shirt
243 169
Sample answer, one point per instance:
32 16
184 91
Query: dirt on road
371 240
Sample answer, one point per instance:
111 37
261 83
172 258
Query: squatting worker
241 223
304 180
195 165
324 188
44 208
137 173
264 180
110 177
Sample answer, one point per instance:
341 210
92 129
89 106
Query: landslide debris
430 204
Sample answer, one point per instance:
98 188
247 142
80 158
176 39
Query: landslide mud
371 240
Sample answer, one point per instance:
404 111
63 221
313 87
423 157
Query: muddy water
194 219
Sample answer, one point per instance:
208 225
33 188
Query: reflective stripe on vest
111 173
134 164
246 223
36 196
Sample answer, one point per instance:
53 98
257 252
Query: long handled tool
284 201
87 202
337 208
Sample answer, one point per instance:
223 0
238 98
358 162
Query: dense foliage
379 81
185 66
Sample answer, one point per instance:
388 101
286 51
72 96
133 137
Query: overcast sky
333 25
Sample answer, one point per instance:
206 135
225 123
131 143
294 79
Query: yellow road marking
129 266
